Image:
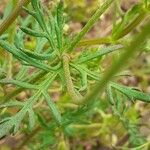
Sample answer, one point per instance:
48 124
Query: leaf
39 56
19 83
42 121
22 73
120 103
131 93
59 24
52 23
110 94
23 57
18 40
11 123
100 11
5 128
5 120
38 13
60 15
31 118
91 74
35 4
129 16
4 36
55 112
32 13
12 103
84 81
40 44
99 53
33 32
14 122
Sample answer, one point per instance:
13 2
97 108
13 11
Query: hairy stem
69 83
11 18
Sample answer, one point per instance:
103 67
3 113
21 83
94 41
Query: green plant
57 64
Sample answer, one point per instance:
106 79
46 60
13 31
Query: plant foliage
54 61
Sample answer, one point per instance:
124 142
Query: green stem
69 83
108 40
68 105
87 126
90 24
90 42
11 18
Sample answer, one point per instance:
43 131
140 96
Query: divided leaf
110 94
19 83
33 32
131 93
55 112
39 56
59 25
129 16
31 118
12 103
23 57
99 53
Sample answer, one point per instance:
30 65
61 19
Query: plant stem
98 41
68 106
90 24
87 126
108 40
69 83
11 18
